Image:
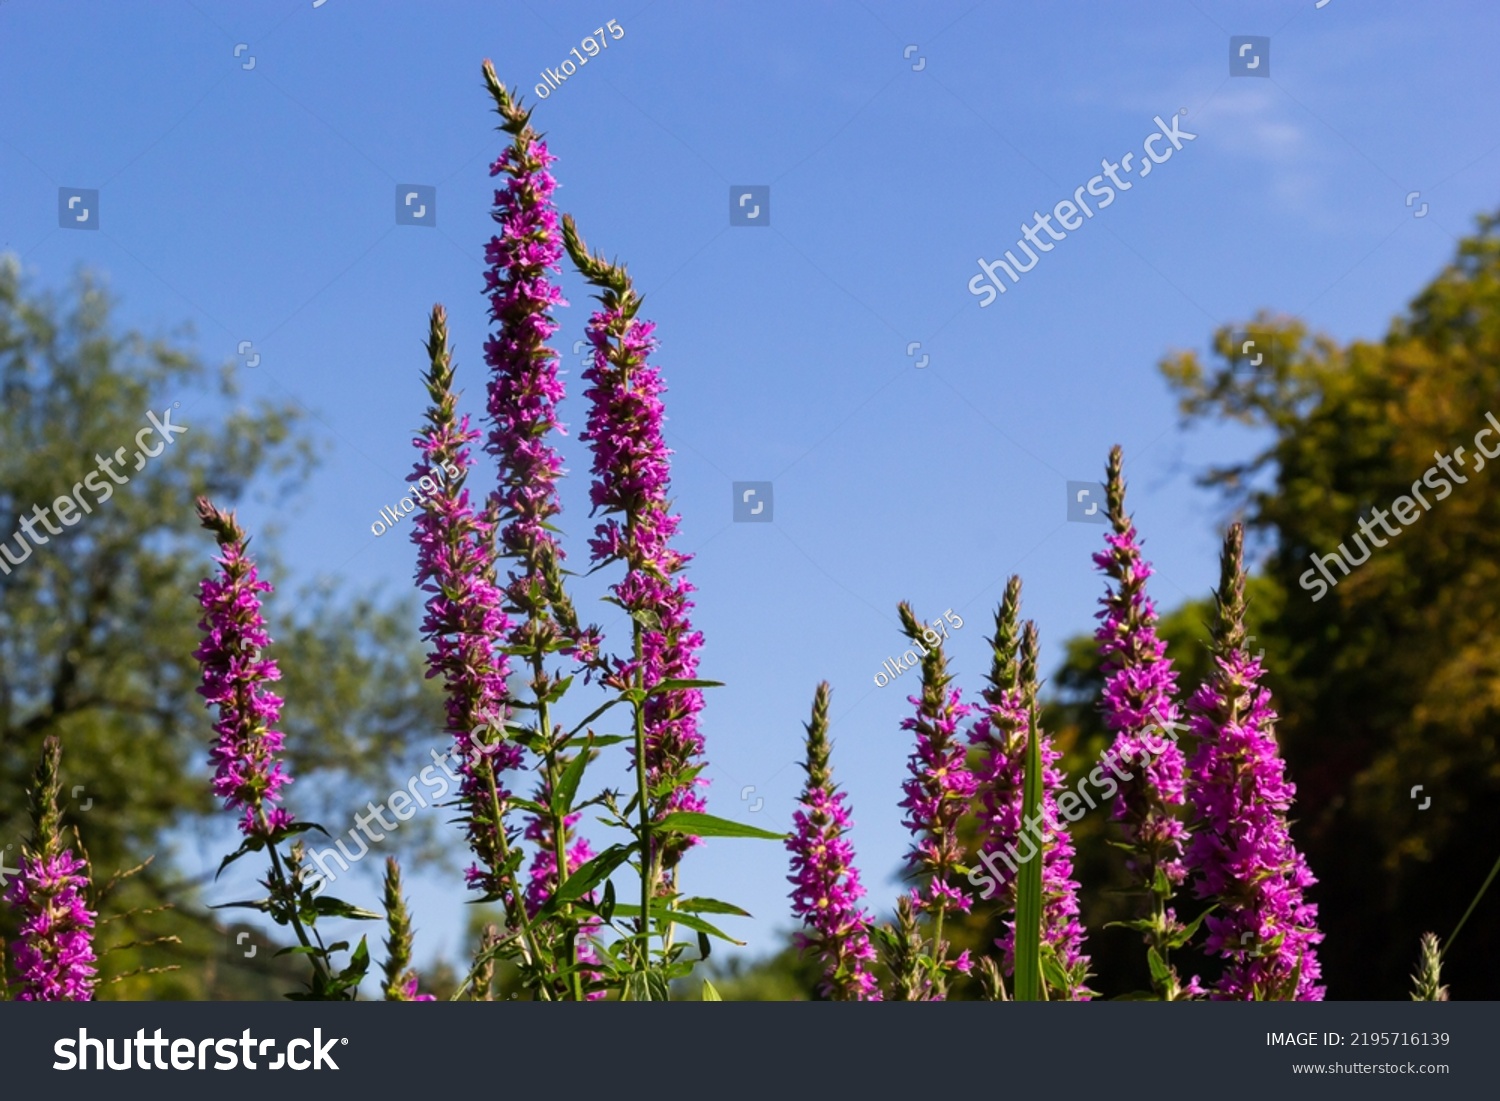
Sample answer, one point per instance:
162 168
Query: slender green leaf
599 741
1028 938
587 877
680 685
695 923
710 906
249 845
263 905
558 690
527 805
708 825
1160 973
1453 936
1187 932
1053 973
300 827
359 963
567 786
1140 925
324 906
709 993
662 917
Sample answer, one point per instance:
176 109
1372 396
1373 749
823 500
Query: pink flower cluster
937 793
1241 851
632 478
524 387
247 775
54 955
826 893
464 616
1138 704
825 883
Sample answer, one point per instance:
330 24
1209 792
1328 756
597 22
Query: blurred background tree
98 628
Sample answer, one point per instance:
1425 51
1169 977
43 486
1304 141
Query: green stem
518 900
648 857
1458 928
937 947
648 860
280 887
558 821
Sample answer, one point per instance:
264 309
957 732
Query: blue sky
251 191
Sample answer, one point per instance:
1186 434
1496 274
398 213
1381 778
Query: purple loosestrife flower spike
1241 850
1002 735
456 567
631 480
826 888
54 955
247 775
525 387
938 790
1140 709
524 392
